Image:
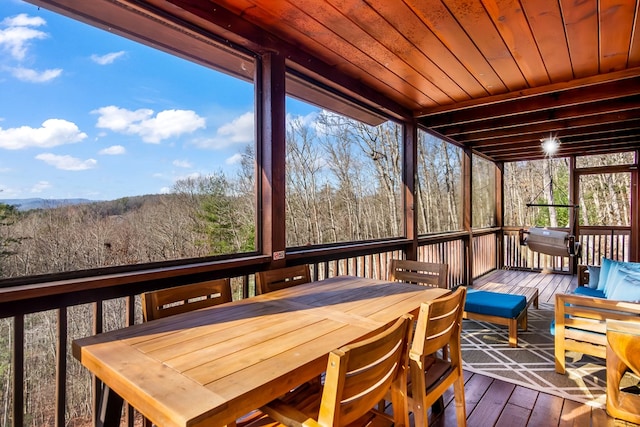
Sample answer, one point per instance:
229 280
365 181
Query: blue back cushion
617 273
605 265
626 289
495 304
610 272
594 276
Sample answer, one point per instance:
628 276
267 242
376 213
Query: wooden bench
517 312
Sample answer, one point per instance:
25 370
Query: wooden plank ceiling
493 75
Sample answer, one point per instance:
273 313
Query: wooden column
467 215
574 197
271 153
634 250
409 168
500 214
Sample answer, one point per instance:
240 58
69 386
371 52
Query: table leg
110 410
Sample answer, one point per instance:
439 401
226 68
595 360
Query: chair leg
559 352
458 393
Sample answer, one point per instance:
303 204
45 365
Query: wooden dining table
211 366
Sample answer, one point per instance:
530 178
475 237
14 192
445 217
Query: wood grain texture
230 359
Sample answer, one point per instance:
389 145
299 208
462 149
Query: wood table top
210 366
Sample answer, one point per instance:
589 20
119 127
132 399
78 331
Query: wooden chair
439 324
272 280
623 347
180 299
423 273
358 376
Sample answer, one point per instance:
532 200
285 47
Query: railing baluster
130 313
612 252
18 370
61 371
96 383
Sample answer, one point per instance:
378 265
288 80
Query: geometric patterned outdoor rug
485 350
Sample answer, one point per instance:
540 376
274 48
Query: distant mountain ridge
37 203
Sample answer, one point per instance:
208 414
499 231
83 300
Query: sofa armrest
580 324
583 275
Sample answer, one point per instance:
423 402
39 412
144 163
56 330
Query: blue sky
88 114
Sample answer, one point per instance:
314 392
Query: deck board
492 402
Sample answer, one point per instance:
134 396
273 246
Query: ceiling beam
586 82
583 111
561 130
544 102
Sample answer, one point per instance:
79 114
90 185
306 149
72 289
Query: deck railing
596 242
42 384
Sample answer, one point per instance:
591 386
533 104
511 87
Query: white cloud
241 130
108 58
67 163
40 187
166 124
23 20
114 150
18 32
182 164
33 76
52 133
234 160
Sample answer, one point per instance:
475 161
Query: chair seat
589 292
495 304
436 369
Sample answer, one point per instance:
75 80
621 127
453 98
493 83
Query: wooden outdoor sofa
580 317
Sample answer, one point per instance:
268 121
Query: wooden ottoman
504 305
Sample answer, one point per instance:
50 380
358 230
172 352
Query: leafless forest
344 183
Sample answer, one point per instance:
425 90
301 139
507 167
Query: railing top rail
55 287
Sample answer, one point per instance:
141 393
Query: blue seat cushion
495 304
588 292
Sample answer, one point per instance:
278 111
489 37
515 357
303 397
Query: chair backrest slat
273 280
423 273
180 299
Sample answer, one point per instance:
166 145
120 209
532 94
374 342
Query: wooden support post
410 156
271 153
574 197
500 214
467 216
634 250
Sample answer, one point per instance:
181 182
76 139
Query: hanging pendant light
550 145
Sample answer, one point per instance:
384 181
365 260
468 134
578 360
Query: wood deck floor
492 402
